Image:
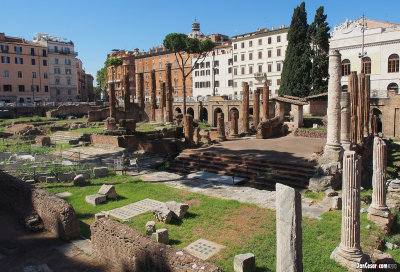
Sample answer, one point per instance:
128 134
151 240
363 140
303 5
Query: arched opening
345 88
366 65
204 115
232 110
346 67
21 100
393 87
393 63
178 110
251 115
376 121
190 111
216 111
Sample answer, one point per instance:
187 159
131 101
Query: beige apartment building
24 71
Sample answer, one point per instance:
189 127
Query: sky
97 27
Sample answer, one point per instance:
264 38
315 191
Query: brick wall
310 133
130 250
317 108
57 215
65 110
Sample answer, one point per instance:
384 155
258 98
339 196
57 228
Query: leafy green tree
319 37
185 49
295 79
101 78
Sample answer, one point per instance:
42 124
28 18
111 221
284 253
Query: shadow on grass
85 229
178 222
174 242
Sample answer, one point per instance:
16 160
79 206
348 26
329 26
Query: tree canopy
101 78
113 62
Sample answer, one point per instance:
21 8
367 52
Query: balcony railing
65 52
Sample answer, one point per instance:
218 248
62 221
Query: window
393 63
234 46
68 71
230 70
250 70
243 71
4 48
69 91
250 43
33 61
278 81
57 81
269 40
58 91
19 61
216 83
159 57
207 64
152 58
160 65
46 89
207 72
230 83
21 88
196 73
68 81
67 62
278 52
216 71
140 60
393 87
18 50
278 39
230 61
167 56
44 54
242 57
278 67
57 71
242 45
32 51
175 63
19 74
250 56
5 59
44 62
235 58
269 67
216 63
366 65
7 88
55 61
44 75
259 54
259 41
235 71
33 74
345 67
260 68
269 53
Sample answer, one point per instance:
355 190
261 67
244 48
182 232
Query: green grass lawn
4 122
146 126
240 227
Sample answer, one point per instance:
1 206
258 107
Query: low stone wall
129 250
65 110
317 108
104 140
57 215
98 115
310 133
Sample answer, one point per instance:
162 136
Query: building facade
62 67
24 71
259 53
375 50
213 76
80 79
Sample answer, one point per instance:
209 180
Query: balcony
63 52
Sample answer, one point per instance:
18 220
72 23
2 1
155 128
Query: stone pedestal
234 124
345 121
140 92
265 102
221 127
289 252
245 108
188 127
333 148
153 101
298 116
349 252
379 212
256 107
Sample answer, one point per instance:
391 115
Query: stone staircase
261 173
65 137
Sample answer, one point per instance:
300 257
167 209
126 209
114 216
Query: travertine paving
203 249
131 210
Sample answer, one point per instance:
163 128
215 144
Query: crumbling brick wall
310 133
57 215
65 110
129 250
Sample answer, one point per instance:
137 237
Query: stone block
162 214
43 141
95 199
330 193
100 172
66 177
319 183
150 227
162 236
244 263
79 180
178 209
108 191
99 215
329 169
85 173
30 181
42 178
336 203
51 179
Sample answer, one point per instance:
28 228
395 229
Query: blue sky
97 27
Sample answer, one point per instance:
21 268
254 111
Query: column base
346 145
332 153
350 258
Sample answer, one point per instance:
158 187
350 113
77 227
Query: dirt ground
20 248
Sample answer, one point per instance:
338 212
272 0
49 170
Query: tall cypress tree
319 36
295 79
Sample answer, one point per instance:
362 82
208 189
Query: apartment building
213 76
62 67
80 79
24 71
259 54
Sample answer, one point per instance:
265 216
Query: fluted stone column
113 112
360 108
349 252
353 90
289 252
234 124
153 102
221 127
162 100
169 97
140 92
188 126
333 149
245 108
256 107
127 97
265 101
367 94
345 121
379 211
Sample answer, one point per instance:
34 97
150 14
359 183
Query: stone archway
204 115
378 114
232 110
178 110
216 111
190 111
